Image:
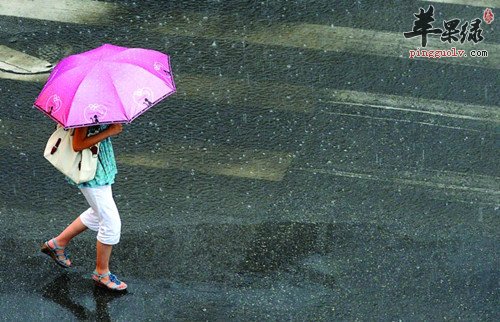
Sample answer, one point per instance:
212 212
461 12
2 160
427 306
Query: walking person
102 216
107 84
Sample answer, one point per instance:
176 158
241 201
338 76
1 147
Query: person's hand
115 129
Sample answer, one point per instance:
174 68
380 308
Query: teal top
106 166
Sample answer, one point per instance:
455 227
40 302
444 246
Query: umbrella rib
117 94
74 94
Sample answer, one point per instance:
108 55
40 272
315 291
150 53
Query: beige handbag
78 166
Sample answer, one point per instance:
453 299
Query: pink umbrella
109 84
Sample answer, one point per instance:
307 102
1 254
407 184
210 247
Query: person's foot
109 281
58 253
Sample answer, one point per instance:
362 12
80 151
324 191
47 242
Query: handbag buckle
95 150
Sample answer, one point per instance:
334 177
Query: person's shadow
58 291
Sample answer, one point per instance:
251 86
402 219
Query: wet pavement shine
306 170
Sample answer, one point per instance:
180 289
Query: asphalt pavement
306 170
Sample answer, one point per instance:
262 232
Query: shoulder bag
78 166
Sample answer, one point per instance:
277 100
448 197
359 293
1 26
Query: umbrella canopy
109 84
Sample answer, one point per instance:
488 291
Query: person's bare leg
75 228
102 263
103 256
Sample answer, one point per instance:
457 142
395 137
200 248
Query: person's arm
82 142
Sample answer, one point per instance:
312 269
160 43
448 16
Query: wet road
306 170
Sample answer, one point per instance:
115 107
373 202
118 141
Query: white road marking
39 78
415 105
71 11
405 121
18 62
227 161
482 185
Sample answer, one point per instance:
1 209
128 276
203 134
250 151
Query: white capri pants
102 216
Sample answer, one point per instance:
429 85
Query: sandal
118 285
58 257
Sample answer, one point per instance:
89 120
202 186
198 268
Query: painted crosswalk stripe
475 3
18 62
325 38
453 183
39 78
16 65
406 121
226 161
71 11
415 105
